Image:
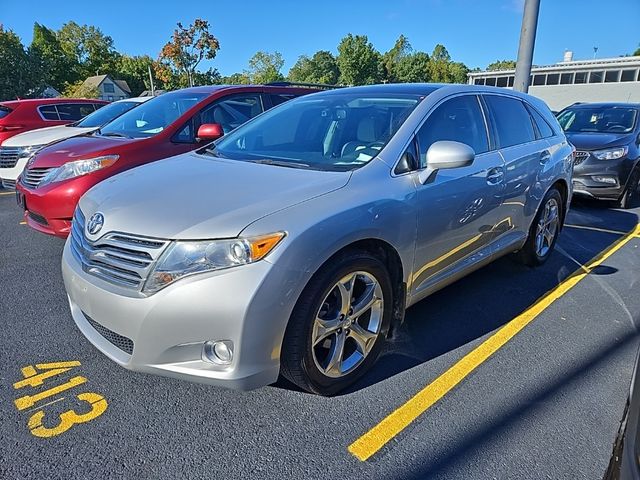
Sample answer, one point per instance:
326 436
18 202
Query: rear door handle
495 176
545 156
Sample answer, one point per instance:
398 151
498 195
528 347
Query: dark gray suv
607 158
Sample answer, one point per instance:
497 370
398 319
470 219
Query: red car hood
79 148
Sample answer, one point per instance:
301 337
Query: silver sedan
294 244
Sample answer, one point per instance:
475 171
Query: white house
109 88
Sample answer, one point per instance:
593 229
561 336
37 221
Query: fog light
602 179
219 352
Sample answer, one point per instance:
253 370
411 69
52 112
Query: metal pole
153 88
527 43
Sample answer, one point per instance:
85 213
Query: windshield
104 115
598 119
153 116
332 132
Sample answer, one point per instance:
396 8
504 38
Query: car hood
78 148
192 196
598 141
43 136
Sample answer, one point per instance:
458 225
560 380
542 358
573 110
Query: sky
476 32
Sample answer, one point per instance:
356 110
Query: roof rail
302 84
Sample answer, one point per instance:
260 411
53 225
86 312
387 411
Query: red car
19 116
173 123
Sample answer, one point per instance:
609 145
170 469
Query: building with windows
109 88
568 82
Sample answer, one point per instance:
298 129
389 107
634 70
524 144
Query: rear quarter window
49 112
4 111
543 127
512 122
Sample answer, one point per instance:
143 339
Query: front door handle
495 176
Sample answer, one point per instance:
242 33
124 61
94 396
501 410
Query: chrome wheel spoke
364 338
345 287
365 302
323 328
335 356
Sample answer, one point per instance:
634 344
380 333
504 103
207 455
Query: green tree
15 67
235 79
80 90
637 52
135 70
412 68
50 62
321 68
265 67
501 65
358 61
92 50
458 72
187 48
439 65
392 59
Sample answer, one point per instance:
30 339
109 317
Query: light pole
527 43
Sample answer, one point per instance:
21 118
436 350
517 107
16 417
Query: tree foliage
80 90
135 70
187 48
501 65
359 62
321 68
15 67
392 59
52 65
265 67
637 52
92 50
412 68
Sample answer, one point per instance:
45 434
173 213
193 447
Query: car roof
134 99
605 105
42 101
388 88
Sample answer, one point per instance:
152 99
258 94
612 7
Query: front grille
117 258
123 343
38 218
9 156
579 157
8 184
33 176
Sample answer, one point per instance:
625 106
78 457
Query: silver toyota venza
294 244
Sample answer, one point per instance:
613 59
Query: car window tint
49 112
512 121
281 98
185 134
460 120
74 111
543 127
231 112
4 111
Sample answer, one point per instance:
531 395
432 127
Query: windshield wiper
115 134
213 152
283 163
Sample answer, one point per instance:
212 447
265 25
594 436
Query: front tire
544 231
631 194
338 326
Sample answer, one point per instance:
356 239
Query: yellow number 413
67 419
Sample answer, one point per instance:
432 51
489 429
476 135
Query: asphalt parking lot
493 401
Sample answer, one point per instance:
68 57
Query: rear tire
631 195
544 231
339 324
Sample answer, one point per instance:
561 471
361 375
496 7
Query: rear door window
512 122
74 111
460 120
279 98
544 129
49 112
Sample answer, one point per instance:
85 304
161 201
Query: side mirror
446 154
209 132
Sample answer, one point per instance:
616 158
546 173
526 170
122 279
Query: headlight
611 153
186 258
78 168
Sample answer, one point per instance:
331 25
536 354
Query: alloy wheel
547 228
347 325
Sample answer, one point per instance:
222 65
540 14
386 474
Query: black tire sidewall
528 254
303 317
631 191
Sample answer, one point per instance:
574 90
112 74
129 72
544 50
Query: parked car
16 151
607 140
18 116
294 244
175 122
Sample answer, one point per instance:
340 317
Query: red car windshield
153 116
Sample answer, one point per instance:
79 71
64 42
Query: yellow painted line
376 438
595 229
23 223
29 401
7 193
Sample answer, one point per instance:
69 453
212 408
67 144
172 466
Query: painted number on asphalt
36 377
